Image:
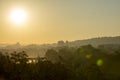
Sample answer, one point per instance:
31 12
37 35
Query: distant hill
96 41
37 49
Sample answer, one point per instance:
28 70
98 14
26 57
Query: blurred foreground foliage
84 63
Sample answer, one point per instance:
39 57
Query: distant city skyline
52 20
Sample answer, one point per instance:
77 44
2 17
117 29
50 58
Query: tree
19 58
93 72
61 43
52 56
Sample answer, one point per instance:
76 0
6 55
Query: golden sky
52 20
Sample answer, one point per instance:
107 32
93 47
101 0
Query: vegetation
66 63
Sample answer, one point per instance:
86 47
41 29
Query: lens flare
99 62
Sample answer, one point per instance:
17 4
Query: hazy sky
52 20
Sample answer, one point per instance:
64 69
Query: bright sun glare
18 16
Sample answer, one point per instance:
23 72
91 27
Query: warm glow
18 16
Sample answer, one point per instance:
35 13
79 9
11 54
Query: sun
18 16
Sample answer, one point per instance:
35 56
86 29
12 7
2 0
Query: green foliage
15 67
20 57
66 63
80 61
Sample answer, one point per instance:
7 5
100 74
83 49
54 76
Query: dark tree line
65 63
87 62
15 67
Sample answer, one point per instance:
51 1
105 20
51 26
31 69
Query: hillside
96 41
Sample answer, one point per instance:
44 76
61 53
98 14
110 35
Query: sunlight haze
47 21
18 16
